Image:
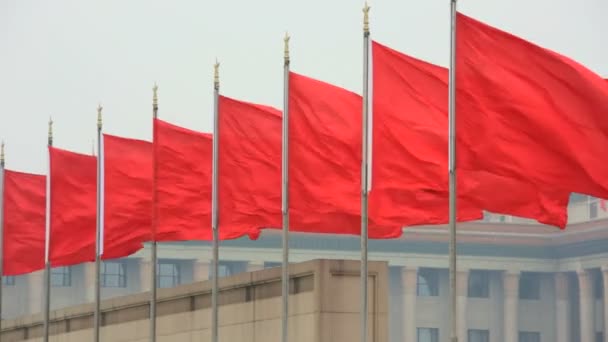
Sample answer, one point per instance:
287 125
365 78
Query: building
517 280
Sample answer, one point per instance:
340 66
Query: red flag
183 184
24 222
249 167
529 113
411 144
128 195
325 160
73 207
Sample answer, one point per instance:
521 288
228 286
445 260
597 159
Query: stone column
511 300
586 306
462 294
605 280
255 265
200 270
89 282
35 287
562 308
409 281
145 272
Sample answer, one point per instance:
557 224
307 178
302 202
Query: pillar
255 265
562 308
200 270
511 300
586 306
409 280
462 294
145 272
605 284
89 282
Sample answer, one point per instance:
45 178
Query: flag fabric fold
128 195
529 113
411 146
73 219
249 174
24 222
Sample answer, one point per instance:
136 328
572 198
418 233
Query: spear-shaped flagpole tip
216 74
155 94
286 41
50 131
2 153
366 18
99 120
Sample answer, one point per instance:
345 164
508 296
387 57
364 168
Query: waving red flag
127 196
73 207
325 160
529 113
411 143
249 167
24 222
183 185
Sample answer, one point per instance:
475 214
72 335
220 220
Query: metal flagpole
285 197
364 173
99 236
1 229
214 204
154 260
47 244
452 173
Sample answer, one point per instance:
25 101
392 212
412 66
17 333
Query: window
61 276
527 336
479 335
593 204
8 280
428 335
113 274
598 285
479 284
529 286
167 274
599 336
428 283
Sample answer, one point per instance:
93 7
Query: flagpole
214 205
47 244
452 173
285 197
1 228
364 174
154 246
98 244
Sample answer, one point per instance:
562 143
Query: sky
62 58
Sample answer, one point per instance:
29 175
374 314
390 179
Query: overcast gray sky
62 57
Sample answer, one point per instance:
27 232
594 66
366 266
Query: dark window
599 336
113 274
528 336
479 284
428 283
598 285
61 276
428 335
479 335
168 274
8 280
529 286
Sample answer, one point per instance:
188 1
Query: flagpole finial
99 120
50 137
366 18
2 153
216 74
155 94
286 43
